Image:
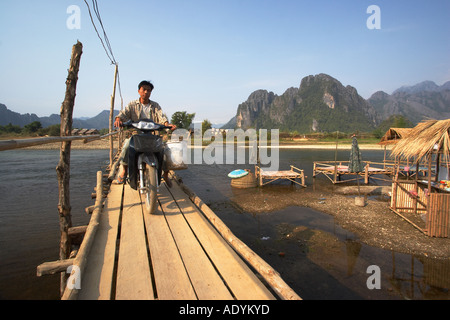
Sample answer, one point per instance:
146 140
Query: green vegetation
367 137
182 119
327 138
206 124
33 129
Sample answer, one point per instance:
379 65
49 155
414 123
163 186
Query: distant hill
418 102
8 116
98 122
423 86
323 104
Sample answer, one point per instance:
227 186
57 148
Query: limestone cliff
321 103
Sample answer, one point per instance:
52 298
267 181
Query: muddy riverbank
375 224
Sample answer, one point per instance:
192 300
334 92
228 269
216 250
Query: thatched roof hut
430 136
393 135
428 142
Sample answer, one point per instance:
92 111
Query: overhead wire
97 13
98 34
105 41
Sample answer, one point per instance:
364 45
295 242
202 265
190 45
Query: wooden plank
171 279
240 279
204 278
133 268
97 279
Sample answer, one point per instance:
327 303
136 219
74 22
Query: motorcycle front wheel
150 183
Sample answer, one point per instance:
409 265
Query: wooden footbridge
182 251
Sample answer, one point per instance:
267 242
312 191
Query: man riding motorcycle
142 108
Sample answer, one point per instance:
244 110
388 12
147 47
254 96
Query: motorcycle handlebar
154 126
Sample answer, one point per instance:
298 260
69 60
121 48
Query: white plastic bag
174 155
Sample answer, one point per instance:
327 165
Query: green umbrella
355 162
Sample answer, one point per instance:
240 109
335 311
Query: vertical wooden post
366 174
438 164
428 197
395 185
63 168
111 119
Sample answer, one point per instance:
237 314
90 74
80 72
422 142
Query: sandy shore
331 146
104 144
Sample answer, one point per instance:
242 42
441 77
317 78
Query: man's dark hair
145 83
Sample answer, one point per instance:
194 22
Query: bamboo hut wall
438 216
403 200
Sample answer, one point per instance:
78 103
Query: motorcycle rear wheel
150 182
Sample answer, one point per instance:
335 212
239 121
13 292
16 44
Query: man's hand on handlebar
172 126
118 123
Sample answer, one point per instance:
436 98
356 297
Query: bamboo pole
53 267
111 118
81 259
24 143
429 204
63 168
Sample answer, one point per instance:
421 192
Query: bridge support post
63 167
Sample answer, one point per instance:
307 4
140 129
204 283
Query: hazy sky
208 56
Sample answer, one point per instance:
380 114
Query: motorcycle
145 160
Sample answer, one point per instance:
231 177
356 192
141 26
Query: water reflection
425 279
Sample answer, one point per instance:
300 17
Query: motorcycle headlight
145 125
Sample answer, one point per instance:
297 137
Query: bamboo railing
31 142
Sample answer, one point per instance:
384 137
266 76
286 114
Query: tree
182 119
205 126
10 128
33 127
54 130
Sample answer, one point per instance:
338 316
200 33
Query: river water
29 224
325 262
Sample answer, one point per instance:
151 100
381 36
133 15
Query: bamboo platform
175 253
335 170
271 176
